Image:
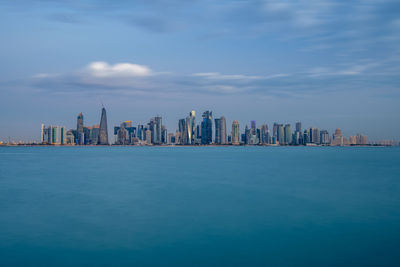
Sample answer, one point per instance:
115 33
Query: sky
328 64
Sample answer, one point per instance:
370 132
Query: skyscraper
288 135
63 135
103 131
280 134
217 131
223 130
190 128
324 137
157 131
298 126
206 128
264 136
183 132
80 138
42 134
235 132
220 130
314 135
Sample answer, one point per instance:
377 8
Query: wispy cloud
103 69
134 79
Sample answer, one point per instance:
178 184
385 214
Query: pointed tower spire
103 132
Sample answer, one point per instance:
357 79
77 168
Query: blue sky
328 64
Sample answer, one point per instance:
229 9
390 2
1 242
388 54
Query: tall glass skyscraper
220 130
103 131
190 128
235 132
80 138
206 128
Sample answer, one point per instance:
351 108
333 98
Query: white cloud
102 69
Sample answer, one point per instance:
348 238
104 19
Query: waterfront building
324 137
63 135
190 128
247 135
70 138
306 137
287 134
148 137
183 131
338 139
361 139
298 127
80 136
178 137
122 136
253 127
103 131
280 134
171 138
220 130
314 135
264 135
275 130
131 133
235 133
140 132
206 128
42 129
157 130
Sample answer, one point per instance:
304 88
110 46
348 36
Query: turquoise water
185 206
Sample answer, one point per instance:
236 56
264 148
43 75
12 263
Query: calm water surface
233 206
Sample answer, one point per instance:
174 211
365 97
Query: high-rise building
338 139
80 137
298 126
156 130
63 135
306 137
314 135
253 127
275 130
183 131
280 134
122 135
235 133
220 130
264 135
164 135
247 135
288 134
324 137
361 139
42 134
148 137
190 128
103 131
206 128
171 138
94 134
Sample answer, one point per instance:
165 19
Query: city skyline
322 62
186 125
208 131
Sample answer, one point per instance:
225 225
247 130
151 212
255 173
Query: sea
199 206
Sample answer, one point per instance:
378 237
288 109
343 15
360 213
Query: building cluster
208 131
82 135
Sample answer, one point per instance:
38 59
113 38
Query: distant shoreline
214 145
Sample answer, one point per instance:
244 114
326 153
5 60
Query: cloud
102 69
129 79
